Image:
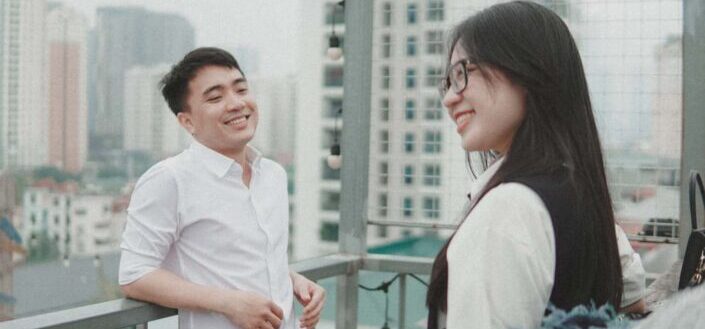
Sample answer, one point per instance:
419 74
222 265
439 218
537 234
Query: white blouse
501 262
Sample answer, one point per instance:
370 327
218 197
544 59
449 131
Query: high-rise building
150 126
667 128
46 214
23 119
96 225
276 101
127 37
72 222
67 65
9 242
417 169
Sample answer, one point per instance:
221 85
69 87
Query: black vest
573 282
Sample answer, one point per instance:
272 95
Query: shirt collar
219 164
482 180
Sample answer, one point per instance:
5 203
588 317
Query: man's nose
235 102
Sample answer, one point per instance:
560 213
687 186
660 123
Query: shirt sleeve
633 274
151 226
501 262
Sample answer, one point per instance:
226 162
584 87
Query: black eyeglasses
456 78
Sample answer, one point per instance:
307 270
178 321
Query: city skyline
267 26
421 174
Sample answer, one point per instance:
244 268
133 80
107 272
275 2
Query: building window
333 76
330 200
384 109
387 14
332 105
433 76
33 218
56 219
410 78
432 175
432 207
327 173
432 142
411 14
408 175
329 232
327 137
411 46
383 173
339 14
381 231
410 110
384 141
386 77
382 205
433 109
434 11
408 207
386 46
409 142
434 42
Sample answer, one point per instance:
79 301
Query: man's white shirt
193 216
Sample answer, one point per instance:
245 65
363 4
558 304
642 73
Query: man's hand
311 296
250 311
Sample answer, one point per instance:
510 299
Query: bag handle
695 178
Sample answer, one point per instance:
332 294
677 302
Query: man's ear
185 121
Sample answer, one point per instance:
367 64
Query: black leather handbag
693 270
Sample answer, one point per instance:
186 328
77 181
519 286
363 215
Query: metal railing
121 313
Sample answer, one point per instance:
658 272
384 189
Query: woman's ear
186 122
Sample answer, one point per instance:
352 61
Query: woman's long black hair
534 49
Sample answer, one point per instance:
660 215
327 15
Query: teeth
236 121
463 118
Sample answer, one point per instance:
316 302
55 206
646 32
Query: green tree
55 173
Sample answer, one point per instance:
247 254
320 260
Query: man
207 230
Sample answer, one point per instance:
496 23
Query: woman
540 228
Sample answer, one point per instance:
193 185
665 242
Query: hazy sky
269 26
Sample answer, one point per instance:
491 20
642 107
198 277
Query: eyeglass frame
446 83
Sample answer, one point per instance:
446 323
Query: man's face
221 112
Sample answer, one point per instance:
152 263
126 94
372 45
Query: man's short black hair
175 83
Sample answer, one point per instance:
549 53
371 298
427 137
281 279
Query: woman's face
488 111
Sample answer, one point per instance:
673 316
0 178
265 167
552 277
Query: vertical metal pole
402 300
355 150
693 151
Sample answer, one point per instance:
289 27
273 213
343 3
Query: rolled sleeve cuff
634 279
134 266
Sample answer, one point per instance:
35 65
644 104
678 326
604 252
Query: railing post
693 150
402 300
355 151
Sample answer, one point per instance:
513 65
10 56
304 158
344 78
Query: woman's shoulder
511 196
512 209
